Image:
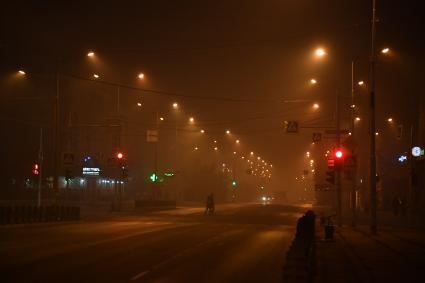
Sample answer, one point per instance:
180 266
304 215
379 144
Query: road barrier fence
34 214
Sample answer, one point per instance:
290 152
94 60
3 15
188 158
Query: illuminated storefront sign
91 171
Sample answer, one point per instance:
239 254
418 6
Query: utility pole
40 164
338 168
373 204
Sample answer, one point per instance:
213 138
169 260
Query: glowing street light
313 81
377 134
390 119
175 105
358 119
238 141
139 104
96 76
202 131
228 132
215 148
251 153
141 76
360 83
320 52
385 50
161 118
21 72
191 119
90 54
315 105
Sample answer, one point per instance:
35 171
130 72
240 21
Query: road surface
241 243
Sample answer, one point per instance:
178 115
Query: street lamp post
373 204
354 181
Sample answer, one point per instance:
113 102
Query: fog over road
241 243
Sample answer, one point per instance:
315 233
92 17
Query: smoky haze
242 66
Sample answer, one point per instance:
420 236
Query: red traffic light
120 155
35 169
339 154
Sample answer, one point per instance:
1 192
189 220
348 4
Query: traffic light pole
40 164
155 184
338 167
56 137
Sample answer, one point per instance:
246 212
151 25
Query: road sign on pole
317 137
68 159
152 136
291 127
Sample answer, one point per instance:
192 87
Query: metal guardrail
34 214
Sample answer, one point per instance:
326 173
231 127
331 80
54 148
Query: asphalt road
241 243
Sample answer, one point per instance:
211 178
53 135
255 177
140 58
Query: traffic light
234 183
120 155
330 176
124 172
339 158
153 177
339 154
35 169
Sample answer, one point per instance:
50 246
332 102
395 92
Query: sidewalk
394 255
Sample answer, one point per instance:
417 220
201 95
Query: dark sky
257 52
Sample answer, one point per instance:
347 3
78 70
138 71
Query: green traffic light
234 184
153 178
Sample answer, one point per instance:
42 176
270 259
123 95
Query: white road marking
141 274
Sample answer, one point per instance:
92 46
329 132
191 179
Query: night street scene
212 141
